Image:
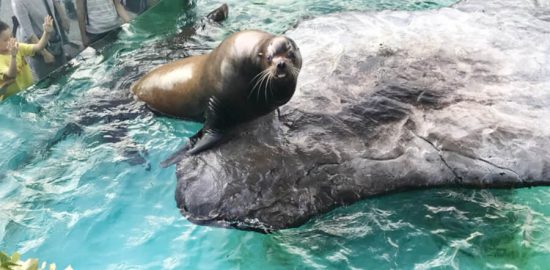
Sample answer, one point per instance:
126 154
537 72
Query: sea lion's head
281 59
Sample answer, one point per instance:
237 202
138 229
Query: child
30 15
15 73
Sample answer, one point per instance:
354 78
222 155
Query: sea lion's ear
260 54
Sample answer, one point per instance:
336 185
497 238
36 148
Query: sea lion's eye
291 55
269 58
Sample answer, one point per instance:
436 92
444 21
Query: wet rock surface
388 101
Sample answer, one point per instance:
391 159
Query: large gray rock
388 101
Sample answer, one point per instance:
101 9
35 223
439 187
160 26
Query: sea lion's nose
281 65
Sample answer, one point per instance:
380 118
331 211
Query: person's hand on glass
13 46
48 24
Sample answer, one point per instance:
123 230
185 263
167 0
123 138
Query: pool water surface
80 181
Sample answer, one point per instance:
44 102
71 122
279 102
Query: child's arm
48 28
121 11
48 57
13 46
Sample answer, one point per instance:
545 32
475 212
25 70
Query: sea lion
215 17
250 74
219 14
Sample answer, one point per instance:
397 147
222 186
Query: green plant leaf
15 257
13 263
8 262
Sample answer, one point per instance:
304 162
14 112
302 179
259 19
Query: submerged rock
388 101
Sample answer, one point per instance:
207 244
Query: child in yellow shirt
15 73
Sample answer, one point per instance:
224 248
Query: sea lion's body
248 75
175 88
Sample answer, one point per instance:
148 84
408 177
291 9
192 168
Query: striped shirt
102 16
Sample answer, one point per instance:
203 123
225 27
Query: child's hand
48 57
13 46
48 24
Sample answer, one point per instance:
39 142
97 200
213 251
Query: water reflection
445 228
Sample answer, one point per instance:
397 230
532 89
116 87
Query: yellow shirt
23 78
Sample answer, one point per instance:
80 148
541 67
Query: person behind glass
135 6
15 73
29 13
96 18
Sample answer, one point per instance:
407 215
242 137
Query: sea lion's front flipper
210 135
207 141
216 122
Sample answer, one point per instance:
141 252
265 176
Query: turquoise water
80 182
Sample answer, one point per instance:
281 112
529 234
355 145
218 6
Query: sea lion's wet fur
225 87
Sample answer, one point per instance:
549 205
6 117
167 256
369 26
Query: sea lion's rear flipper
202 140
176 156
183 151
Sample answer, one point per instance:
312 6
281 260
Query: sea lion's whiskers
266 79
257 76
262 79
258 80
